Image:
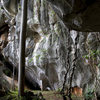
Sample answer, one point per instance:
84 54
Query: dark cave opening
29 83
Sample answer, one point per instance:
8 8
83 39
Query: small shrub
89 94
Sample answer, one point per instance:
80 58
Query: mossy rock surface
36 95
13 95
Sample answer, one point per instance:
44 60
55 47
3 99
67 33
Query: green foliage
52 13
19 6
86 56
89 94
93 55
30 60
44 50
4 81
99 65
13 95
7 72
59 90
37 57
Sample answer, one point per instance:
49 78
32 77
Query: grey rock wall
49 47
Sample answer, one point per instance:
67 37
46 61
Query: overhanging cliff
80 15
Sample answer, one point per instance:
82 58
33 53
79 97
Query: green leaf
99 65
30 60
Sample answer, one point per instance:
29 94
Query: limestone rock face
52 49
2 19
80 15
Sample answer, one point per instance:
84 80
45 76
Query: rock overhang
79 15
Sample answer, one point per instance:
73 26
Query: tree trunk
21 71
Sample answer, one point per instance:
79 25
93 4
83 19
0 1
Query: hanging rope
14 46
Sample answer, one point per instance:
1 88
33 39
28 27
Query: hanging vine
70 70
73 64
67 65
